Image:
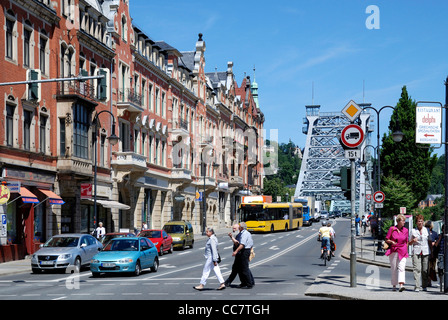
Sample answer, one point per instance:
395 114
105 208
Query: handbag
252 254
385 245
219 259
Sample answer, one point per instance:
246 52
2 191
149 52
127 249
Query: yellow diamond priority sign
352 110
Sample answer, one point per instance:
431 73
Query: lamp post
397 136
113 140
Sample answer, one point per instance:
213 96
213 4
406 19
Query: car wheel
138 269
155 265
171 249
183 245
77 265
161 251
192 244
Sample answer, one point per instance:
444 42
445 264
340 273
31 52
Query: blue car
130 255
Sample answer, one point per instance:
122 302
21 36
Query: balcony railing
129 95
78 88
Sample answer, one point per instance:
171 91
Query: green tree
405 160
399 194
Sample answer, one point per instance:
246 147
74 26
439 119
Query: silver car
65 252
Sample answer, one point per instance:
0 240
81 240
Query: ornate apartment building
185 135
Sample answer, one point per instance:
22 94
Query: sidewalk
369 287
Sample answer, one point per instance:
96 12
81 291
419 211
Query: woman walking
212 259
397 239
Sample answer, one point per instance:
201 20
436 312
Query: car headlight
65 256
127 260
95 261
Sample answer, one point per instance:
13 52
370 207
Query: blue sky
295 43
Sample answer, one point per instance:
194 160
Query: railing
79 88
129 95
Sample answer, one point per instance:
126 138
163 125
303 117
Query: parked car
64 251
109 236
162 240
126 254
181 232
324 215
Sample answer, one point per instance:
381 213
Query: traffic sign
352 111
379 196
428 123
352 136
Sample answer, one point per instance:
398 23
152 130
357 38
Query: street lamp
397 136
113 140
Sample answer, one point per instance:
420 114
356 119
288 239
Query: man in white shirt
100 231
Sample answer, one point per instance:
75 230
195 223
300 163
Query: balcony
210 183
129 161
76 89
181 174
130 101
236 181
180 131
75 166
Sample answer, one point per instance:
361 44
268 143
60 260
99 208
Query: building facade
190 141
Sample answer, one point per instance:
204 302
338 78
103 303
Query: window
9 38
27 118
42 56
81 131
9 125
102 150
62 136
150 97
163 104
125 137
157 101
26 46
42 134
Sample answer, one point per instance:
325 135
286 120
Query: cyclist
325 235
332 236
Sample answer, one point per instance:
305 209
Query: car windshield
174 228
151 234
122 245
109 237
62 242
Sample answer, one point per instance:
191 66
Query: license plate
47 263
108 264
250 229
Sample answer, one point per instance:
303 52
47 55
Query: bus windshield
253 213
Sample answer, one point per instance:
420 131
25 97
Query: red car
160 238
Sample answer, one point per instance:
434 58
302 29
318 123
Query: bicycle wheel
324 257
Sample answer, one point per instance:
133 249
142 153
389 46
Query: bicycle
325 256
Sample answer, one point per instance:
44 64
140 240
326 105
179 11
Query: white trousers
397 269
208 268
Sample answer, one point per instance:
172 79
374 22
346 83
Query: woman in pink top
397 239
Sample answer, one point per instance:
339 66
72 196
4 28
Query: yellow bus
270 217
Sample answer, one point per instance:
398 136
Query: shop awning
112 204
27 196
52 197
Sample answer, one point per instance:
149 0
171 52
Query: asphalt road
286 264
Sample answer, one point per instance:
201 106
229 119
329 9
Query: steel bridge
324 153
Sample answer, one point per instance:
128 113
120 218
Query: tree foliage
404 160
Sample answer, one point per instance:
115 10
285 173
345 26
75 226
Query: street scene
223 159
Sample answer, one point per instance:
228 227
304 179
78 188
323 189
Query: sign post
428 123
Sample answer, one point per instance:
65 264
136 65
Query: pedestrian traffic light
344 181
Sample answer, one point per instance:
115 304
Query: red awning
52 197
27 196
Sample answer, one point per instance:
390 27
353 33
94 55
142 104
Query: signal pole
353 224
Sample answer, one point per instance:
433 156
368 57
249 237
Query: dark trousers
245 274
240 267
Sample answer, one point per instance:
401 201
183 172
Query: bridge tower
323 154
